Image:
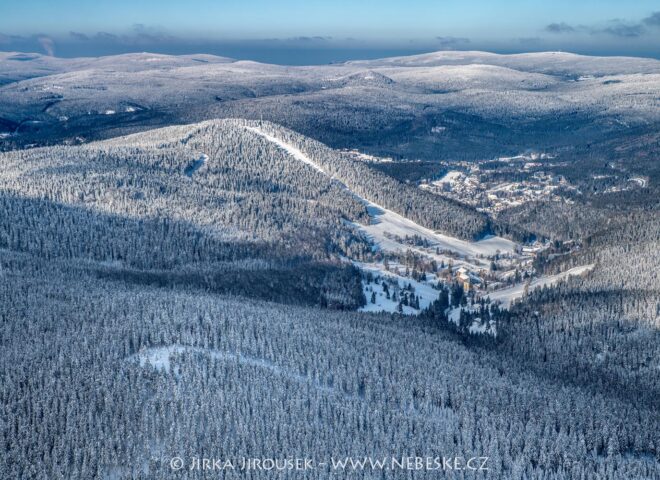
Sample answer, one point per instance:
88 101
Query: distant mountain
552 63
18 66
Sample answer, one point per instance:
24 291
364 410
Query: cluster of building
470 183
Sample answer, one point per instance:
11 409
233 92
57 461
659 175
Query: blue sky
297 31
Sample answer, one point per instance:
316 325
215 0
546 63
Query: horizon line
422 52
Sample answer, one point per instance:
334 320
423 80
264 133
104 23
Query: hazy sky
310 31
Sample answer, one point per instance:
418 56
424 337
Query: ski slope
290 149
508 295
387 223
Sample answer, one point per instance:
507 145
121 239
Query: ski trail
387 221
293 151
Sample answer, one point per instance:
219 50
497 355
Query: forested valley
241 287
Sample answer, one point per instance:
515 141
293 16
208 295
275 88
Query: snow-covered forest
252 378
178 283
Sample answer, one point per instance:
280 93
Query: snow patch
508 295
483 328
425 291
454 315
160 358
449 177
641 181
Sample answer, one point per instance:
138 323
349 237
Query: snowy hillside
439 257
499 104
391 233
